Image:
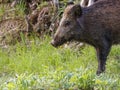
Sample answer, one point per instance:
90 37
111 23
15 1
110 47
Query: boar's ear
77 11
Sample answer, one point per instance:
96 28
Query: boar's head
69 27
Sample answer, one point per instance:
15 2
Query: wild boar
97 25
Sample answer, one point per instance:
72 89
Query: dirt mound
11 29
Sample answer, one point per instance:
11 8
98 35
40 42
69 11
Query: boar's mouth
57 43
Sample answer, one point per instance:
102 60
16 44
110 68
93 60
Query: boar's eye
66 23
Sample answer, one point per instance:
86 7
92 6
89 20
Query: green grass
39 66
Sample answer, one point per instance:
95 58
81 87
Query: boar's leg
102 53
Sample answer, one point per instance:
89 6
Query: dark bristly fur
97 25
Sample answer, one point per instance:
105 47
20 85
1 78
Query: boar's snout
57 41
53 43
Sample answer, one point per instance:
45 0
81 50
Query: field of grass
39 66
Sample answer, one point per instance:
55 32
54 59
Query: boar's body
97 25
102 20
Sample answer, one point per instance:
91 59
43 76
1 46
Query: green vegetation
39 66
